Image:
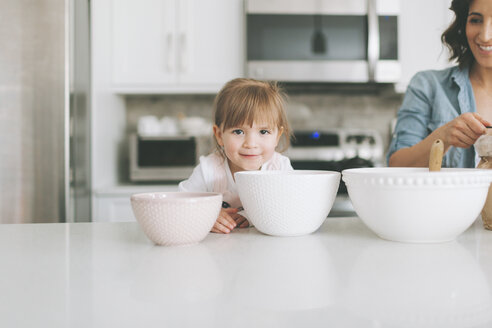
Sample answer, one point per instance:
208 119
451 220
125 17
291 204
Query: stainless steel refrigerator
44 111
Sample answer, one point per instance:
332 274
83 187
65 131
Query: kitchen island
111 275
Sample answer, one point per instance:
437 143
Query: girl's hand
225 222
464 130
241 221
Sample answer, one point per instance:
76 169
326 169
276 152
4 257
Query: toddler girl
250 120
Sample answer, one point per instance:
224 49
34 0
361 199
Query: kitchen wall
310 107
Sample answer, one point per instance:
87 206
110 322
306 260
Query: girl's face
248 147
479 31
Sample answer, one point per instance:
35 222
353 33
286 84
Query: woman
453 104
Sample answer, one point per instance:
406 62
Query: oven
336 150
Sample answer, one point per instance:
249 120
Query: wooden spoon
436 153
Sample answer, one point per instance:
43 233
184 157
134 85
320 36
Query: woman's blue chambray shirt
434 98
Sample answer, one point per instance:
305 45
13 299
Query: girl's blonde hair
246 101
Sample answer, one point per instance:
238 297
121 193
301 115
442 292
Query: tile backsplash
362 107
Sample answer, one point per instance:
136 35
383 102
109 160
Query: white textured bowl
415 205
176 218
287 203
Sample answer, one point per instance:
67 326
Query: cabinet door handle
184 52
170 52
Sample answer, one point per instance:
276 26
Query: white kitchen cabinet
420 27
176 46
113 209
113 204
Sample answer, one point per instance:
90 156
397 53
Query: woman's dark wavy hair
455 36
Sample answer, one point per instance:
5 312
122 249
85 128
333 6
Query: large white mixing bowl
415 205
287 203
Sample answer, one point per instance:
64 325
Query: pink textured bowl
176 218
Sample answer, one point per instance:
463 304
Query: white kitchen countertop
111 275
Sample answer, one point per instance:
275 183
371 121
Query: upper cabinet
176 46
420 27
195 46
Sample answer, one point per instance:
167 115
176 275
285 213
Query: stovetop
336 150
336 145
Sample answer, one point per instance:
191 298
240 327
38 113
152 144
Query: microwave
166 158
348 41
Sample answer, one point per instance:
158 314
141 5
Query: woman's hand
225 222
464 130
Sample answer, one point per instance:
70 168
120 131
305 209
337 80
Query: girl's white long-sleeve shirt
214 175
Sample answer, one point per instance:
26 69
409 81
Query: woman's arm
462 132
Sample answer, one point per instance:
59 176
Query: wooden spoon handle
436 153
